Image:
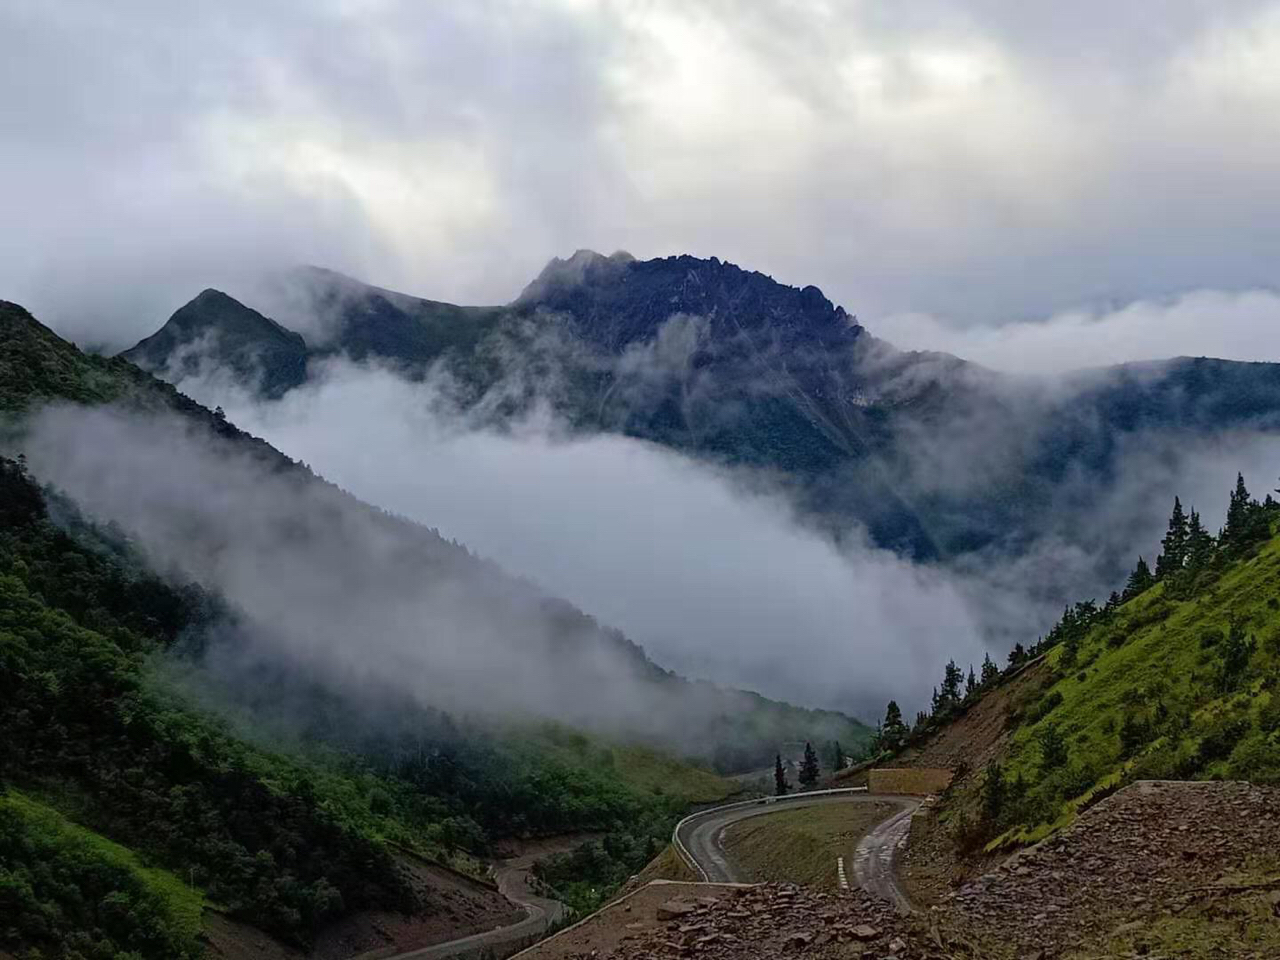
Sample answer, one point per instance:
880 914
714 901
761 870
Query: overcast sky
932 165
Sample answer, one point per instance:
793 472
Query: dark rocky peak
617 300
221 331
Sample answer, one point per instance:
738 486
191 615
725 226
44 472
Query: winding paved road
698 839
513 881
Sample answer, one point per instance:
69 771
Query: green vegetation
287 832
67 891
1176 679
801 846
82 725
809 768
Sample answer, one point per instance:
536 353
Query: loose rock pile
779 920
1151 852
1154 848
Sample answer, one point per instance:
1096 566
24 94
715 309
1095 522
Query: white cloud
1212 323
978 160
712 579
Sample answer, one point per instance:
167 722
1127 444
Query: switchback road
698 839
513 881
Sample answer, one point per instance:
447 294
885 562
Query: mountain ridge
727 365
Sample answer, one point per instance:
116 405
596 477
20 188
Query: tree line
1189 557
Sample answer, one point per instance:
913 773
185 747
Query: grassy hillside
1178 678
801 846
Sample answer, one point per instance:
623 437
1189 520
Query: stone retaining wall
909 781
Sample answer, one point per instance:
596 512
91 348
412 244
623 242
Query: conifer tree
989 670
809 768
893 732
993 794
780 785
1246 519
1174 555
1053 748
1140 580
952 679
1199 544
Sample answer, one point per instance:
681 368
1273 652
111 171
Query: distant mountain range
938 457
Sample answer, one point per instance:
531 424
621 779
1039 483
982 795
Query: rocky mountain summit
216 331
731 366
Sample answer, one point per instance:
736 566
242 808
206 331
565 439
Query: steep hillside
1178 677
153 725
394 562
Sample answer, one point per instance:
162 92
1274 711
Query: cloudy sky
935 166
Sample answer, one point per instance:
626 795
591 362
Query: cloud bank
960 158
1207 323
714 579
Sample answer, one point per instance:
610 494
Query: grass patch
667 866
801 846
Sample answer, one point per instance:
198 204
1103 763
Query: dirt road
874 859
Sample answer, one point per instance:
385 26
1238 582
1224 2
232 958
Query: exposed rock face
732 366
617 301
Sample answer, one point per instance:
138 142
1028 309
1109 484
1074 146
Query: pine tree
1247 521
1140 580
971 683
780 785
1199 544
949 695
1237 651
1174 555
893 732
1053 748
1237 512
989 670
809 768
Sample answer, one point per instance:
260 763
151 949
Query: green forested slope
1176 678
289 837
120 789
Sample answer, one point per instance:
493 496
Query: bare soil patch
454 906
